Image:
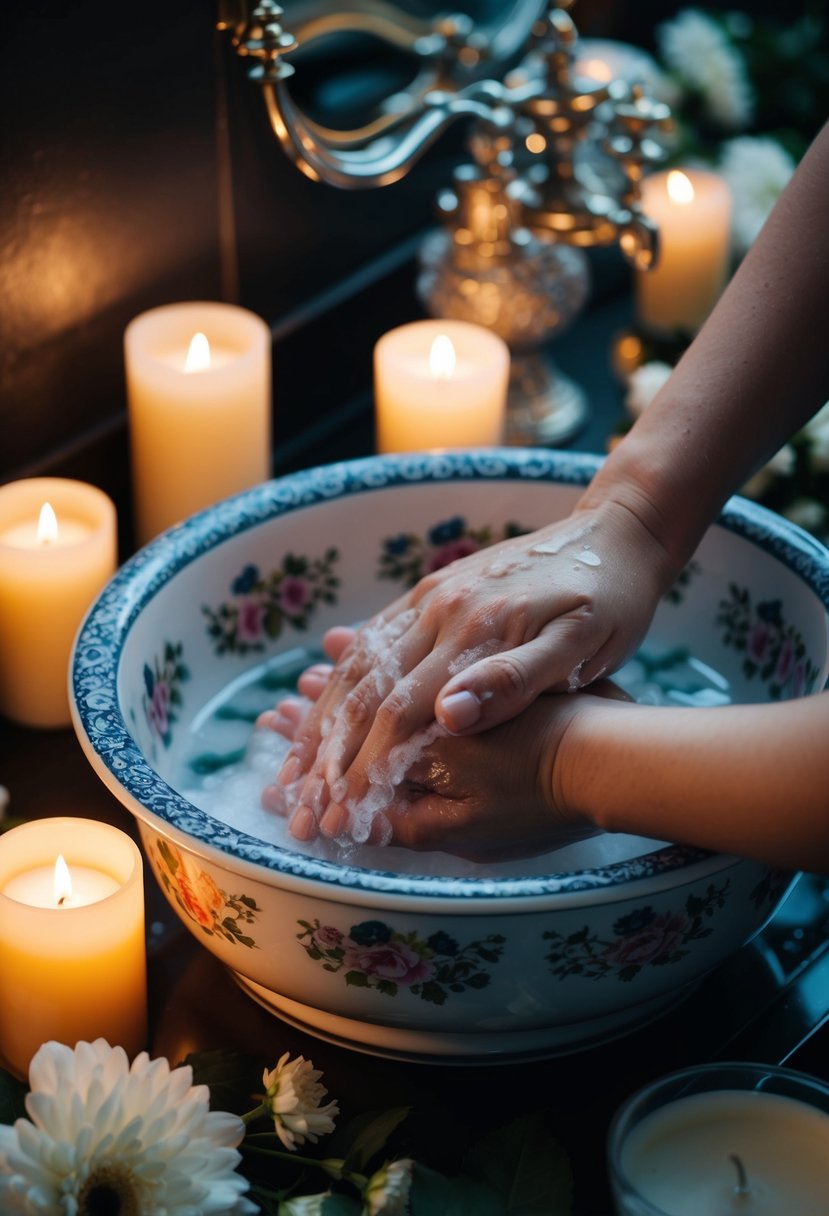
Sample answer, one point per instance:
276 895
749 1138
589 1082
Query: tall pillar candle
199 402
58 547
692 209
72 957
440 384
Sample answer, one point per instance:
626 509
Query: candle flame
680 189
63 881
442 358
198 354
594 69
47 525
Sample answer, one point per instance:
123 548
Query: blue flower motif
450 529
246 581
634 922
442 943
769 611
149 679
397 545
370 933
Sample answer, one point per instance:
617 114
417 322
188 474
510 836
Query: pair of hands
552 611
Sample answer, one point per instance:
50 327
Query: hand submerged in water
484 797
475 643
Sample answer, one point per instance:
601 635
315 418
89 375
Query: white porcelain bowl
201 627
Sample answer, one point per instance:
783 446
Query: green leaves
526 1167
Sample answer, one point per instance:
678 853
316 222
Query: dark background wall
137 168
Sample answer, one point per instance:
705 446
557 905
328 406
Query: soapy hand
484 797
473 644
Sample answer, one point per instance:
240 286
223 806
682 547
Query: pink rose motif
192 904
158 708
661 936
327 937
759 641
785 662
392 960
450 552
294 594
251 618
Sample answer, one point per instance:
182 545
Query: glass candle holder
733 1138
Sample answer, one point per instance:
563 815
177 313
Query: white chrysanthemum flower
293 1095
387 1191
698 50
782 464
816 431
756 169
106 1136
304 1205
643 385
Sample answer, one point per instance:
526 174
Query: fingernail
335 820
267 718
291 771
460 710
303 825
273 799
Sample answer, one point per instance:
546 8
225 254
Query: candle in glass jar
692 209
757 1146
58 547
440 384
199 402
72 952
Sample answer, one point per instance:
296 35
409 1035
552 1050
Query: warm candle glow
47 525
442 358
63 882
198 354
596 69
679 187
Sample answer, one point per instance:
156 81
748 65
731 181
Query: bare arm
746 779
758 369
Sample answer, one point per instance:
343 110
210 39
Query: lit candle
58 547
692 209
604 59
741 1151
199 400
72 952
440 384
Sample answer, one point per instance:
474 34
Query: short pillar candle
72 960
58 548
440 384
692 209
199 405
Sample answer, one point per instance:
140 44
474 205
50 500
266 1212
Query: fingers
501 686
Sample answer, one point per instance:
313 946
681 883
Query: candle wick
742 1187
62 901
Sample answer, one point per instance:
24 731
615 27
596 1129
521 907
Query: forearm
746 779
753 375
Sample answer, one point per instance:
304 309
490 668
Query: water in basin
227 762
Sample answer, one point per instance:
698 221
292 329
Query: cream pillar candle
199 401
73 961
692 208
440 384
58 547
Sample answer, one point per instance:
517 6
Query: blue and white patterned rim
102 636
